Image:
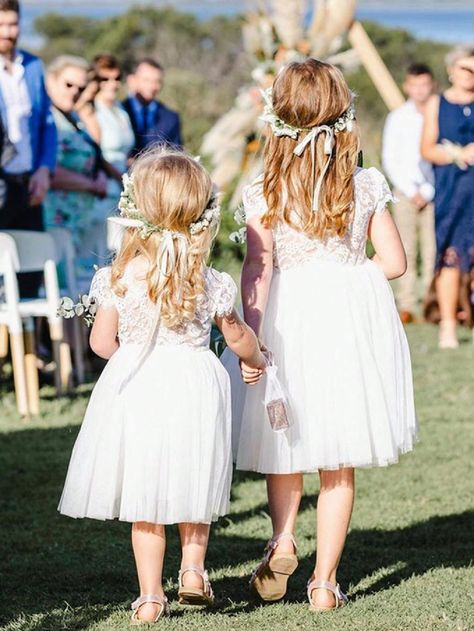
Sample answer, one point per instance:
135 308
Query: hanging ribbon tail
310 139
168 262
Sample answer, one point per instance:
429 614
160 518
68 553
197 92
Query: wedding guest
155 445
413 180
116 138
448 142
26 114
152 121
327 315
80 176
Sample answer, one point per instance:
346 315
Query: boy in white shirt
413 180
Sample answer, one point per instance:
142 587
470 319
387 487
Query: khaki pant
414 226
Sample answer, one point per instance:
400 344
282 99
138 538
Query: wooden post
32 381
19 375
375 66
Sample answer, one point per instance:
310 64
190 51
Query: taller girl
327 313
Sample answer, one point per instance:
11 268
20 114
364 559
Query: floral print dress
74 210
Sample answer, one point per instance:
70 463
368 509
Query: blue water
441 24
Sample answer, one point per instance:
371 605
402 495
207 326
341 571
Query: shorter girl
155 445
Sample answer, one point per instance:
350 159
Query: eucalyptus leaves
85 308
240 235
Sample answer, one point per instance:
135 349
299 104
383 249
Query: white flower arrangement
281 128
210 216
131 217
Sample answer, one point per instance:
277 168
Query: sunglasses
79 88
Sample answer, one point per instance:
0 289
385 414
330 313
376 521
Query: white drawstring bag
276 402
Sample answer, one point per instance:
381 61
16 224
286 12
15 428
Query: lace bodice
291 248
136 311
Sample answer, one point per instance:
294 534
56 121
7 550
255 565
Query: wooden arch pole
375 66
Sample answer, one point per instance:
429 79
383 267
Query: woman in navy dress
448 142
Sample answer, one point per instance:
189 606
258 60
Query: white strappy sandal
341 598
163 608
195 595
270 577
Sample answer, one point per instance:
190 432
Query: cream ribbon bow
310 139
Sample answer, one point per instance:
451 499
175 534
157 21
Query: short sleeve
253 199
100 289
223 293
381 192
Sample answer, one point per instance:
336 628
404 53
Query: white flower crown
281 128
131 217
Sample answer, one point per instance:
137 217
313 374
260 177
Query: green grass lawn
408 563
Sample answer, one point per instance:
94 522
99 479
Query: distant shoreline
437 23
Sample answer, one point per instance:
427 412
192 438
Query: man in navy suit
29 126
152 121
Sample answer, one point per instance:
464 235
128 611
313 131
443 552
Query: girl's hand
251 376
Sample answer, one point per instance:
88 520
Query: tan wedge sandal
163 608
340 597
195 595
270 577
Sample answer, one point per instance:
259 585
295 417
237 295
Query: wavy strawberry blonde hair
304 95
171 190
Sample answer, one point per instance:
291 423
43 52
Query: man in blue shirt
27 119
152 121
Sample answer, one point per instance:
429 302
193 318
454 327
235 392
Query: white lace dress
159 450
341 351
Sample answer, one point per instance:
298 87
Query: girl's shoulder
372 189
253 199
221 291
101 288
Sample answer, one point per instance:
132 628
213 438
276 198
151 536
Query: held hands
467 154
252 375
99 187
39 185
418 200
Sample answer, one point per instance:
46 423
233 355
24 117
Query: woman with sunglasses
80 176
116 136
448 142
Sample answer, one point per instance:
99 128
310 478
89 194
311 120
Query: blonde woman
154 448
327 314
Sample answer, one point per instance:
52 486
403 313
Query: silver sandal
341 598
195 595
164 608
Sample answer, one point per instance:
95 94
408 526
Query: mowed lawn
408 564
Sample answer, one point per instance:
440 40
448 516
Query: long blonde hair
171 190
304 95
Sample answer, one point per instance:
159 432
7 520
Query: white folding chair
10 320
37 252
66 254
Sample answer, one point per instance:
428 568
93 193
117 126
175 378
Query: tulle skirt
161 450
344 361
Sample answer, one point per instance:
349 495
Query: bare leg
149 543
334 510
447 289
284 496
194 540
